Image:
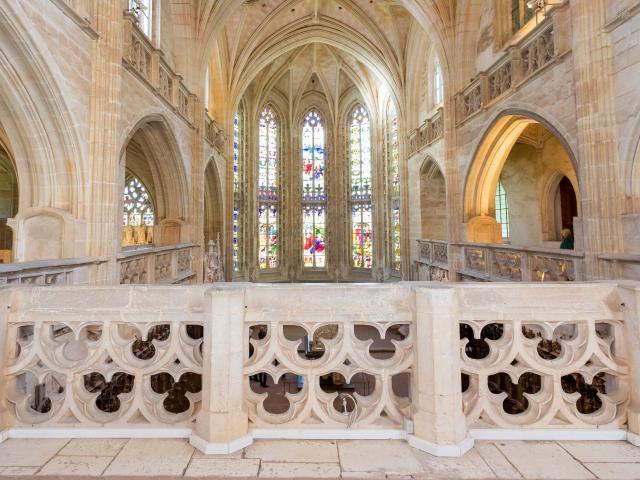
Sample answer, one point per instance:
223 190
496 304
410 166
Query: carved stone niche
43 233
169 232
484 229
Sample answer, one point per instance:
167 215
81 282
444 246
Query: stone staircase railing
496 262
172 264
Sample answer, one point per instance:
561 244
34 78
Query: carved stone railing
103 356
213 134
517 66
519 264
497 262
433 261
526 364
147 62
343 339
430 131
71 271
623 265
437 365
172 264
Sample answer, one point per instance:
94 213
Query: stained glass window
268 201
361 189
314 199
502 210
438 83
141 9
237 200
393 153
138 208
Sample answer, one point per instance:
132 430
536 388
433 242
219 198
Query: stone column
197 186
630 298
597 151
104 152
222 424
6 419
439 424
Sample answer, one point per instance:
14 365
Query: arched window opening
393 155
268 200
361 189
314 198
433 201
502 210
141 9
8 204
237 193
566 207
438 82
138 216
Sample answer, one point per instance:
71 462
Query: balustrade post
155 70
223 422
517 65
630 299
5 310
439 424
485 94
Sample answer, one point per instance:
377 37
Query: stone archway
529 158
151 155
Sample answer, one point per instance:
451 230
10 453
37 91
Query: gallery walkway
318 459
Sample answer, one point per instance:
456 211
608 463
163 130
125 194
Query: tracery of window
268 200
393 153
438 83
237 194
138 216
314 197
502 210
142 11
520 14
361 189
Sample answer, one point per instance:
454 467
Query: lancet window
361 188
314 196
393 155
142 11
502 210
237 190
438 82
138 216
268 188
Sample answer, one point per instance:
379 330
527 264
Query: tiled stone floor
319 460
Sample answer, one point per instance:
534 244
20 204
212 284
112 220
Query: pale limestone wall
414 167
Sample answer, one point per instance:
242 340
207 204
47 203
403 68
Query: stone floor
319 460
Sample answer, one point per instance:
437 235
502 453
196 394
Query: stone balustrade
148 64
521 63
498 263
67 271
213 134
430 131
172 264
437 365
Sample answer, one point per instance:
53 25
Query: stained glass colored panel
314 235
361 244
395 237
138 208
268 206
